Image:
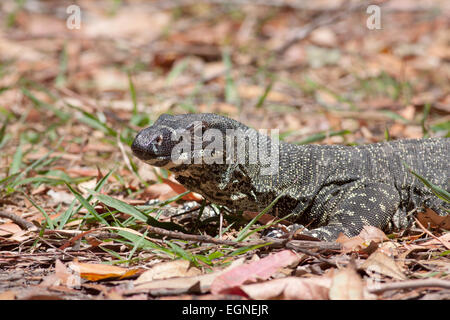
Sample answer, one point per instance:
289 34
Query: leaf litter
71 102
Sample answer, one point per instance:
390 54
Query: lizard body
332 188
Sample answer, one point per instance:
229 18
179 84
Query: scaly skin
332 189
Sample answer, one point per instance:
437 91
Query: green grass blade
136 245
93 121
46 216
121 206
181 253
135 213
264 95
176 71
17 159
60 80
439 192
245 249
87 205
426 112
2 132
132 93
70 211
145 244
266 226
39 103
243 234
231 92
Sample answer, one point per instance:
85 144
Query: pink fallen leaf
230 281
290 288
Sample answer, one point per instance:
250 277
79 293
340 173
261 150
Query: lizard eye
159 140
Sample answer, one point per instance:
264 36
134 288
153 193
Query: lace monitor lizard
329 188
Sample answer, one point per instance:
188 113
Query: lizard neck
246 185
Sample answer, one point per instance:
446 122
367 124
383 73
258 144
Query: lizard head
181 139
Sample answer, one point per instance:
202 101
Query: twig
22 223
301 33
296 245
410 284
292 4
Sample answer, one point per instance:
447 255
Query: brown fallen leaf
8 295
370 233
170 269
201 283
347 285
203 297
380 263
97 271
9 228
251 272
61 277
289 288
160 191
253 92
197 284
368 237
431 219
21 236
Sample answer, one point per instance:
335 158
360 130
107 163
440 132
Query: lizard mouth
160 161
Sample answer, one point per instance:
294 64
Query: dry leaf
367 239
170 269
61 277
380 263
261 269
21 236
346 285
86 186
290 288
370 233
445 238
8 295
201 283
323 37
253 92
160 191
9 228
429 218
60 197
97 271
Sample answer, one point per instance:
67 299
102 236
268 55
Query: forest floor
75 204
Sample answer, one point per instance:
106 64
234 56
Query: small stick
409 284
22 223
274 243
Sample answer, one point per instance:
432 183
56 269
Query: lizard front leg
370 205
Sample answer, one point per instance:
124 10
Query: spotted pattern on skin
331 189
